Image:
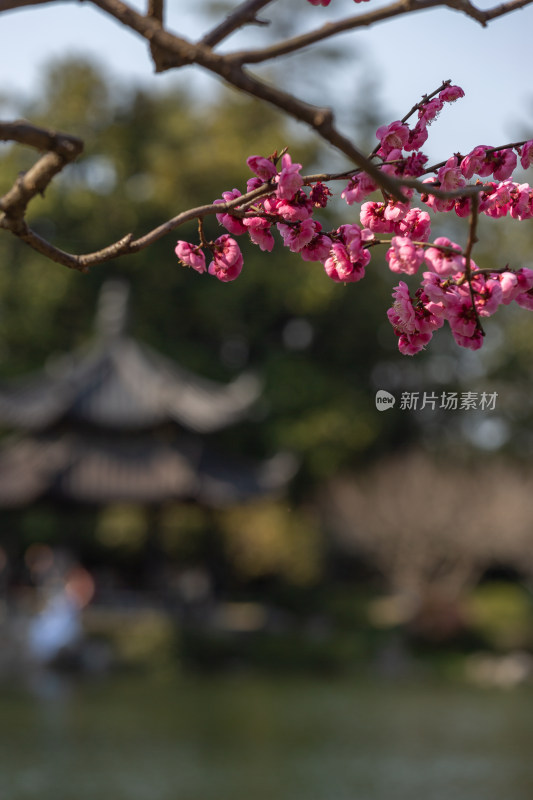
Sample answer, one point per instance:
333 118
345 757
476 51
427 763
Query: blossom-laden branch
453 289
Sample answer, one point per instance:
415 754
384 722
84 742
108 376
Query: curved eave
121 384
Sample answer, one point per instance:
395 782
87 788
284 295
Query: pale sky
408 57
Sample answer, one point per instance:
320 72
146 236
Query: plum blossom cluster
343 252
453 288
456 301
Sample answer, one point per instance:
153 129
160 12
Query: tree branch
320 119
12 5
366 20
61 148
245 14
483 17
330 29
472 239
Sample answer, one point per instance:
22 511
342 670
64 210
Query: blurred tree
431 528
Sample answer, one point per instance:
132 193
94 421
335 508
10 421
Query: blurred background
224 570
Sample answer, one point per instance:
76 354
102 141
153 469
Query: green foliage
502 614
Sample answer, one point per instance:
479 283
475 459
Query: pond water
250 738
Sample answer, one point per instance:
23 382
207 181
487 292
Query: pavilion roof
119 383
93 428
143 470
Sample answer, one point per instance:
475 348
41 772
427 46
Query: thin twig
472 239
331 29
488 151
245 14
397 9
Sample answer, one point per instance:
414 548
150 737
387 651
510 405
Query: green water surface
250 738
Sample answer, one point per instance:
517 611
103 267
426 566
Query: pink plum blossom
253 183
373 216
508 283
340 267
402 314
318 248
435 287
259 232
446 293
436 203
395 211
497 203
417 137
473 342
404 256
414 164
416 224
476 162
526 156
393 163
295 210
354 239
463 206
263 167
297 236
190 256
488 294
450 175
525 300
444 263
231 223
504 162
514 284
227 259
451 93
521 205
289 179
319 195
359 187
413 321
460 313
392 137
428 112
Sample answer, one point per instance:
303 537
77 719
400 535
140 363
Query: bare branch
483 17
328 30
472 239
64 144
245 14
366 20
12 5
62 149
156 12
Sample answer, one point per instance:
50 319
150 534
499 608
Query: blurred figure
55 634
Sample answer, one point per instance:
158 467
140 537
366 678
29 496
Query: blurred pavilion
115 422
